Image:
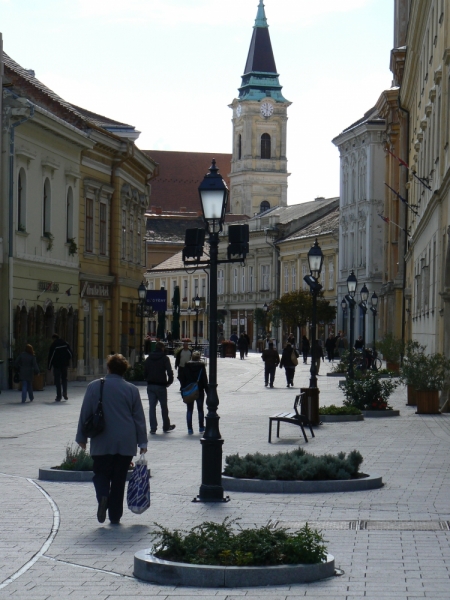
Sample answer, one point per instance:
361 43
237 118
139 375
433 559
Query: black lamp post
189 310
213 197
315 260
352 284
373 308
363 306
197 310
142 293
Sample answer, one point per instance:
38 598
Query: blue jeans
27 386
158 393
190 411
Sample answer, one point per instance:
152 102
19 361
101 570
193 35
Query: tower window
264 206
239 147
265 145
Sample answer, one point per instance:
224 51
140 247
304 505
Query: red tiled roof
180 174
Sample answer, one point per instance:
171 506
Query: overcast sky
172 67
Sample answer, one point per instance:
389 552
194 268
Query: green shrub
368 391
135 373
217 544
293 466
76 460
339 410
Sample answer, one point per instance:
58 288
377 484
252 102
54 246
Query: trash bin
230 349
309 404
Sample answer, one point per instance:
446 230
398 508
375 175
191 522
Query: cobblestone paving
390 543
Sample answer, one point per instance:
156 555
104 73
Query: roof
175 262
180 174
287 214
371 116
171 229
121 129
327 224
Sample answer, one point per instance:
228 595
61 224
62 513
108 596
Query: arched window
46 223
265 145
264 206
22 201
239 147
69 215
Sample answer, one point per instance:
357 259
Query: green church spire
261 20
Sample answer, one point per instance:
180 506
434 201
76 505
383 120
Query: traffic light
194 241
238 238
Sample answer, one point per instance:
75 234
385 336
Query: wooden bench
294 418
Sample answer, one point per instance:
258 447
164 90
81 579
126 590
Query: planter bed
52 474
271 486
340 418
380 414
335 374
149 568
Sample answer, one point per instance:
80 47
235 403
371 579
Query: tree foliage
295 308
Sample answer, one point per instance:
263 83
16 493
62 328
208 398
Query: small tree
295 309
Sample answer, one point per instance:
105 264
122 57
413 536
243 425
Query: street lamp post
213 197
363 306
373 308
197 310
352 284
189 310
315 260
142 293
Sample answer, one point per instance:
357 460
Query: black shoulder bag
95 424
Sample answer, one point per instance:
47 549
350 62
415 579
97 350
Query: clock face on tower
238 110
266 109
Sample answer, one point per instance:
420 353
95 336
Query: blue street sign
157 299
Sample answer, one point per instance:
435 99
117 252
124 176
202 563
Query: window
22 201
131 240
304 273
139 242
243 279
174 285
151 285
330 276
195 288
294 278
203 288
239 147
265 145
89 225
124 234
185 289
46 222
264 206
220 282
286 280
235 281
265 277
103 230
69 215
251 287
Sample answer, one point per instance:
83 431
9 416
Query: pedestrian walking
267 341
271 360
195 370
234 338
291 339
359 344
159 376
341 344
113 448
318 354
330 345
59 357
249 342
242 345
181 358
305 349
289 365
27 366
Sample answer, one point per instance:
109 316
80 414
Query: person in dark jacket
271 360
289 366
243 346
159 376
27 366
59 357
291 340
359 344
305 349
195 370
113 448
330 345
318 354
249 342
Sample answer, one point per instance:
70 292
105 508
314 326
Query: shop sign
157 299
48 286
95 290
234 321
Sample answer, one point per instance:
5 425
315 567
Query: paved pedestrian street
390 543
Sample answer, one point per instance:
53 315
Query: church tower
258 178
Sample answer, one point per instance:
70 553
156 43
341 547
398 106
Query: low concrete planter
262 486
49 474
335 374
149 568
380 414
340 418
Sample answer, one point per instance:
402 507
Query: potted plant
392 349
427 374
368 391
412 350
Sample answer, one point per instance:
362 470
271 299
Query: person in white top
182 357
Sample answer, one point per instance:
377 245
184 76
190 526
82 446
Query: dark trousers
290 372
190 410
60 375
305 357
269 372
110 475
330 354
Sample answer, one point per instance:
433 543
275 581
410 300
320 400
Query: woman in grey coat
113 449
27 366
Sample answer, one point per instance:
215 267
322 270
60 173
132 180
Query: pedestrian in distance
271 360
234 338
243 346
341 344
249 342
330 345
159 376
182 357
113 449
305 349
26 365
359 344
59 357
267 341
291 339
288 364
318 354
195 370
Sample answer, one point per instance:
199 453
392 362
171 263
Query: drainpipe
11 216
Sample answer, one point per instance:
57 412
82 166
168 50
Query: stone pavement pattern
390 543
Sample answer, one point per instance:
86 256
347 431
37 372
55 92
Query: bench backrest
297 400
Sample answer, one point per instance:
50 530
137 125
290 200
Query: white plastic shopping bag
138 493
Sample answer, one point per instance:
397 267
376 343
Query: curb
49 474
380 414
155 570
261 486
340 418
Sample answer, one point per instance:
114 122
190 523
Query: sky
172 67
